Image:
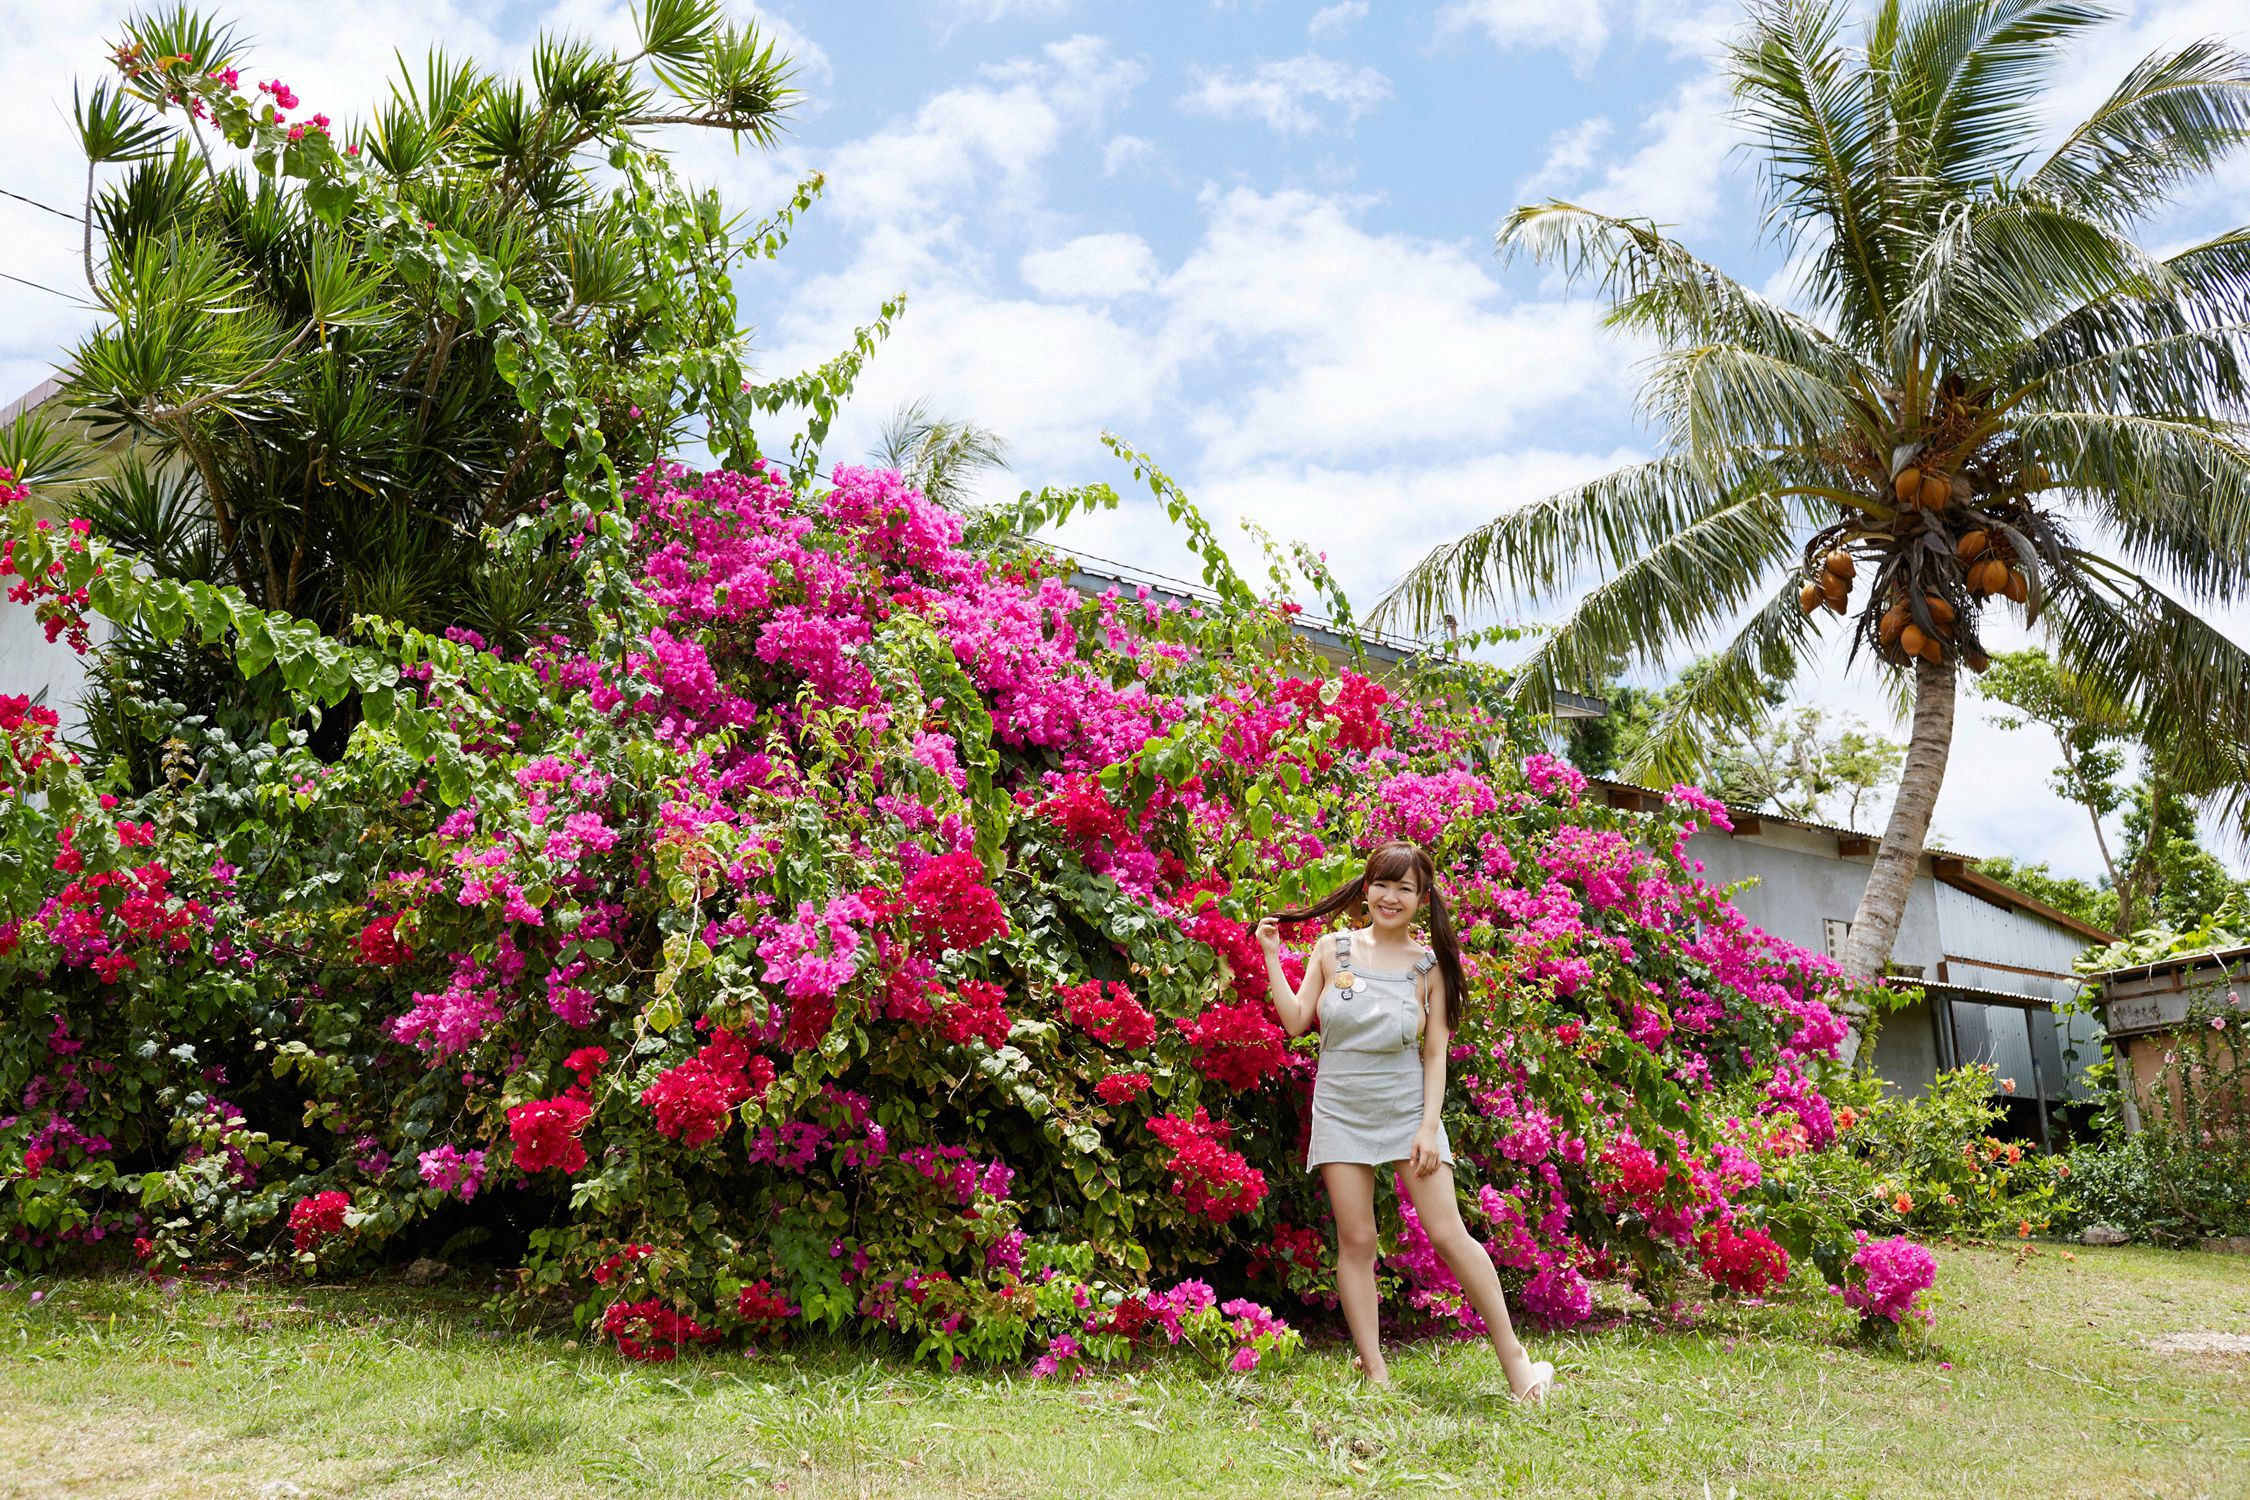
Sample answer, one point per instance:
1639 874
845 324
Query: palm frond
1965 80
2172 119
1688 582
2204 288
2186 369
1718 399
1655 285
939 456
1797 91
1536 550
2188 682
1730 690
2176 489
1995 269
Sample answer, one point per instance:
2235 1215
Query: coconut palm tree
940 456
1995 401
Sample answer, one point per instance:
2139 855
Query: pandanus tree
1991 399
312 344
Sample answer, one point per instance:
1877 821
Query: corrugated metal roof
1763 816
1966 877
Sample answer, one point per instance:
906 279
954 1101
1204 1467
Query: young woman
1385 1007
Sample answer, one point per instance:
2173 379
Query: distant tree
2091 730
939 456
2170 878
1604 745
1803 765
2084 899
2163 871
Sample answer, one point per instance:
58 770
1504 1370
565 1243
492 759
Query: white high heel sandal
1542 1381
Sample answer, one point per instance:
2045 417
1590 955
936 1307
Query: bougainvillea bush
857 935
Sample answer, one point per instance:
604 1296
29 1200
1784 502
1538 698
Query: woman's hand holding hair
1298 1008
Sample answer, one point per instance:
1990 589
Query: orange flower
1902 1204
2023 1229
2007 1085
1846 1118
1951 1201
2015 1154
2062 1169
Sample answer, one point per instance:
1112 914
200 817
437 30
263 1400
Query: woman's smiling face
1393 902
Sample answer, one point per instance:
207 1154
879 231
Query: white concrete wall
30 665
1802 882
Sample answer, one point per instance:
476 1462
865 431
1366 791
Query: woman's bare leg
1440 1213
1351 1192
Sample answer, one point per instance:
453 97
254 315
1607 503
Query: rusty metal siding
2012 941
1972 928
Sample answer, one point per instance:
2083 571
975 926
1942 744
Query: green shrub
1932 1165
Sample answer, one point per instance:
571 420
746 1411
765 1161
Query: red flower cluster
651 1332
1353 702
379 944
1638 1170
95 918
59 609
1211 1179
1084 813
1238 1046
976 1012
1245 958
28 732
951 906
585 1062
318 1217
1291 1248
1122 1088
759 1305
1745 1263
545 1133
631 1255
907 997
1108 1013
693 1099
1130 1317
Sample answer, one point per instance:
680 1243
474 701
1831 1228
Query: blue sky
1254 238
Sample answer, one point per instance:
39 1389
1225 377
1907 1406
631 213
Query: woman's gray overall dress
1367 1097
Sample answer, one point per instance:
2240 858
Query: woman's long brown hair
1397 861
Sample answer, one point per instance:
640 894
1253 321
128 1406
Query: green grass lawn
113 1388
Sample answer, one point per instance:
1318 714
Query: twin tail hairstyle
1399 861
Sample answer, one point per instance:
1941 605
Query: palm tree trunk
1883 904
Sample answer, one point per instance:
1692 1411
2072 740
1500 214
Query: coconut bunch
1946 527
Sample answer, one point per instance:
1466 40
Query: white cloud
1287 94
1577 28
1364 342
1373 522
1674 176
1010 122
1571 155
1581 29
1335 20
1123 151
1095 267
1001 10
